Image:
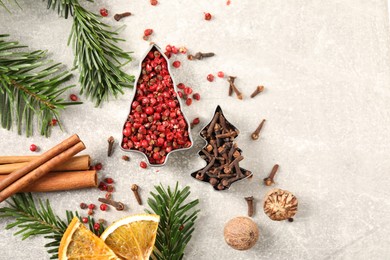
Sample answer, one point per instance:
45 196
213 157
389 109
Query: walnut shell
280 204
241 233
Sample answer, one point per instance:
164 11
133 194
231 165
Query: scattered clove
256 134
110 141
250 202
200 55
270 179
221 154
117 17
234 88
258 90
134 188
118 205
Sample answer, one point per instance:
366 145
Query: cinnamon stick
45 157
14 183
77 163
58 181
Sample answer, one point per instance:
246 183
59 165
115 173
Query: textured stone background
325 65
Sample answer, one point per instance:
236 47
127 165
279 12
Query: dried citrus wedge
132 237
78 242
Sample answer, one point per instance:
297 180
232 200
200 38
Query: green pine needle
177 220
97 55
37 218
30 86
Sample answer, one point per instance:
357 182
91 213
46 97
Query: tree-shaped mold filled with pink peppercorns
156 125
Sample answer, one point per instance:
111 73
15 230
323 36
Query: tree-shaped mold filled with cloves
156 125
221 154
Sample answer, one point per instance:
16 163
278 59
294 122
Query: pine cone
280 205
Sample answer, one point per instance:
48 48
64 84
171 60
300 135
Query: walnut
280 205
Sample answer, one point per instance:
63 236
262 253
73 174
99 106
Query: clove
110 145
270 179
258 90
231 80
134 188
117 17
200 55
250 202
234 88
118 205
255 135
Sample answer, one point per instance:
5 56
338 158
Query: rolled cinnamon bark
16 159
77 163
59 181
28 177
45 157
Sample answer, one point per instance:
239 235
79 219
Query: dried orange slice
132 237
78 242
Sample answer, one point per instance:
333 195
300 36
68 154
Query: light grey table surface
326 69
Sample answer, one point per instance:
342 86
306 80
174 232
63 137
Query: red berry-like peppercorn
96 226
143 165
207 16
188 91
84 220
127 131
196 96
73 97
102 186
53 122
221 74
210 77
176 64
103 207
153 2
110 188
109 180
108 195
148 32
91 206
174 50
196 121
90 212
83 205
33 148
168 48
181 86
98 166
103 12
189 101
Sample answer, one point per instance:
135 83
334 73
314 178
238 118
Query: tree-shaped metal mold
156 125
221 154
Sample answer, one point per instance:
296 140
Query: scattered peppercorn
103 207
103 12
174 50
176 64
96 226
181 86
210 77
143 164
83 205
153 2
73 97
183 50
148 32
90 212
221 74
188 101
108 195
84 220
102 186
33 148
109 180
196 96
207 16
91 206
110 188
54 122
196 121
98 166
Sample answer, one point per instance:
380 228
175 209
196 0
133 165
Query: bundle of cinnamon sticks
57 169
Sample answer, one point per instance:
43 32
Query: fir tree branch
33 219
177 220
30 87
97 55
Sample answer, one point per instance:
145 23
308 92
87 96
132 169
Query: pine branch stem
35 96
